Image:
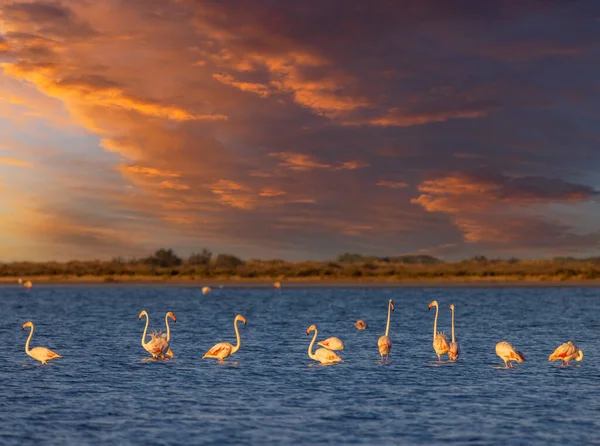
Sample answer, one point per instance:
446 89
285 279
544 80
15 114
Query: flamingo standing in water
28 284
42 354
323 355
508 353
566 353
385 343
277 285
440 341
158 346
332 343
453 351
360 325
224 349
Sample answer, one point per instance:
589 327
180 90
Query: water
101 392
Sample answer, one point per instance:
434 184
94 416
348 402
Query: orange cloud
392 184
397 117
7 161
271 192
148 171
259 89
298 161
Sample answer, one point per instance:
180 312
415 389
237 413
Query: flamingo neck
453 326
310 347
145 329
387 328
237 337
435 322
168 328
29 340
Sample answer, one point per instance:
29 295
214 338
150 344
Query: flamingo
277 285
205 290
28 284
566 353
385 343
224 349
42 354
453 351
20 281
360 325
332 344
440 341
158 346
508 353
323 355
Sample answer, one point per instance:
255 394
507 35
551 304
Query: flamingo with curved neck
385 343
323 355
453 350
222 350
440 341
158 346
42 354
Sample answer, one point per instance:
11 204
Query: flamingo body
159 343
566 353
277 285
332 343
360 325
41 354
223 350
508 353
205 290
440 341
453 350
384 343
323 355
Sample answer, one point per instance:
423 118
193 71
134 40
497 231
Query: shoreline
312 282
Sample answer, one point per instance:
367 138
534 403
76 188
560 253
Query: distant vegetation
165 264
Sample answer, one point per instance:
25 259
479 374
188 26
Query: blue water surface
270 392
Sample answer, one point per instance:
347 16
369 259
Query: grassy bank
372 270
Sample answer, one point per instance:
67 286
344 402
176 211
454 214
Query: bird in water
323 355
454 350
223 350
566 353
159 343
360 325
42 354
385 343
440 341
509 354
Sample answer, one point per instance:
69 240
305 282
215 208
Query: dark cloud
271 126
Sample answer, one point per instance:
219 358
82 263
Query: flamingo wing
220 349
561 352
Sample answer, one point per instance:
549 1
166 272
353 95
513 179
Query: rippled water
271 393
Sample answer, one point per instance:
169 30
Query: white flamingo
508 353
323 355
42 354
454 350
566 353
222 350
385 343
332 343
158 346
440 341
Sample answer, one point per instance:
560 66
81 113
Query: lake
270 392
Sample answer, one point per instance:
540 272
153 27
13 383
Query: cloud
7 161
392 184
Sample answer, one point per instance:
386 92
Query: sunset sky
299 129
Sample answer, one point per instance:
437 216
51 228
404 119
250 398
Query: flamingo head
172 316
239 317
433 304
579 355
27 324
143 313
392 304
311 329
452 307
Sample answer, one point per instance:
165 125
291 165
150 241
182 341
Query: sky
299 130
